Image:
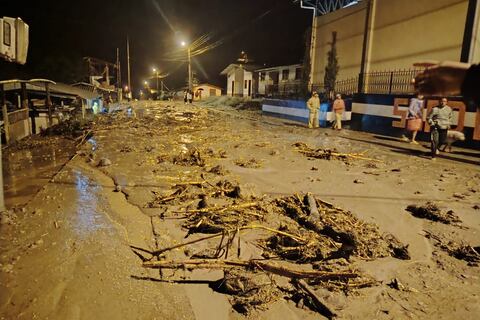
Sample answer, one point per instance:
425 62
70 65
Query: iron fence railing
389 82
382 82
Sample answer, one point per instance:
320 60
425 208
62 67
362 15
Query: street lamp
155 71
190 85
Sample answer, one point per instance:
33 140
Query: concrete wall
401 32
238 76
475 50
404 32
20 130
349 23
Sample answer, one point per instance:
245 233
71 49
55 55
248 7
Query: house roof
208 85
56 89
232 66
298 65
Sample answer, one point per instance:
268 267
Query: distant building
279 79
205 90
241 79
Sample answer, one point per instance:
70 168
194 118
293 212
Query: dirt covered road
314 222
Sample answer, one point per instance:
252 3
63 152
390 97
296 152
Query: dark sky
63 31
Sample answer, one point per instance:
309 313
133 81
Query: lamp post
156 76
190 85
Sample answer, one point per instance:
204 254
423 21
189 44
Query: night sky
62 32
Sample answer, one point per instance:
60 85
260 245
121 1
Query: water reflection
93 142
88 219
26 171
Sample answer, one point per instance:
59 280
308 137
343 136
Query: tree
332 68
306 62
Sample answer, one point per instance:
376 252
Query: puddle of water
88 218
25 172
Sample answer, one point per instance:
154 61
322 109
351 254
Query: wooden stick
251 264
320 305
312 205
160 251
255 226
223 209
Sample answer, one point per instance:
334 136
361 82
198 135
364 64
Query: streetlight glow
154 69
183 43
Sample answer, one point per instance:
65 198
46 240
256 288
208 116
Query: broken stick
250 264
320 305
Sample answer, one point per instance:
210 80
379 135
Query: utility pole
156 74
190 85
128 67
119 77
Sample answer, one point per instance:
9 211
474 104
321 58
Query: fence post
360 83
391 83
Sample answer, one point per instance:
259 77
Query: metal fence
389 82
383 82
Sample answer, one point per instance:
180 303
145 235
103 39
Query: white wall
401 32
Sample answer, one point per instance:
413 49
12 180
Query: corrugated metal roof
55 88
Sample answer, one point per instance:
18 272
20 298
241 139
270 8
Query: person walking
415 115
313 104
440 119
338 109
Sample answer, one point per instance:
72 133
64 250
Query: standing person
415 115
313 104
185 97
190 96
440 119
338 108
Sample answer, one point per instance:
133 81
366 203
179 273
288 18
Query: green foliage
332 68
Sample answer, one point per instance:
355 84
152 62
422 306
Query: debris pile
329 154
251 163
432 212
190 158
344 231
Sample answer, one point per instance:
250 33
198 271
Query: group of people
445 78
439 118
313 105
188 96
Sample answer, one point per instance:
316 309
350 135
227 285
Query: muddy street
173 211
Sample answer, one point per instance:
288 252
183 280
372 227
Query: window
298 73
246 84
213 92
7 34
285 74
262 76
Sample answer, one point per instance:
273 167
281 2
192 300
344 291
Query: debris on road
330 154
432 212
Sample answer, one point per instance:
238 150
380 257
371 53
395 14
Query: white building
241 80
279 79
205 90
